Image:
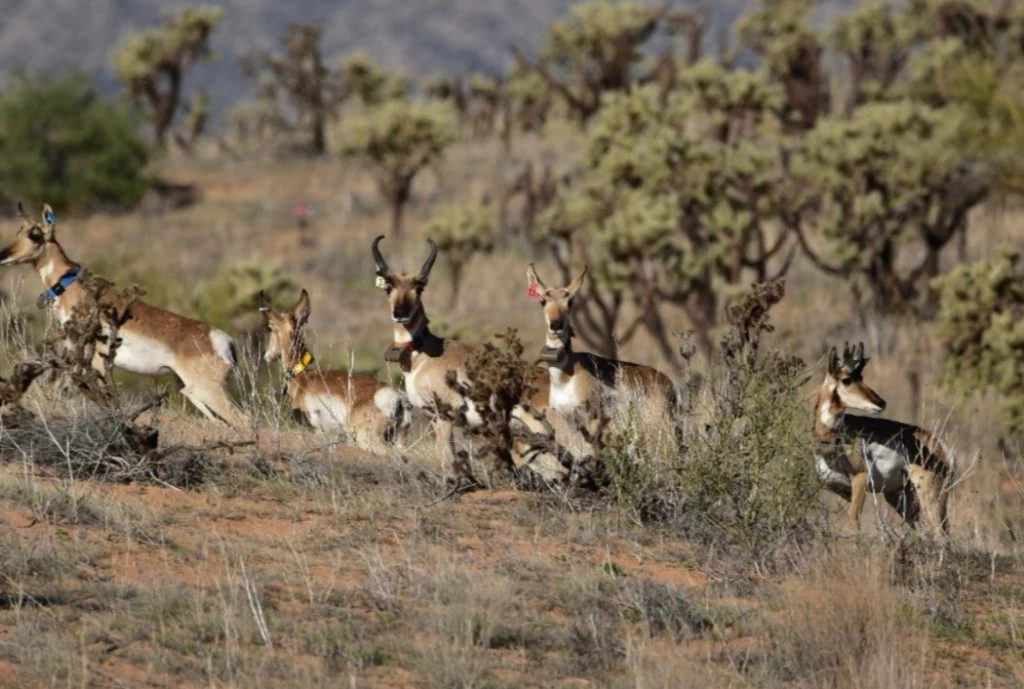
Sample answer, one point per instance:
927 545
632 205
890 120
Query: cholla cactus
299 77
152 64
397 141
593 51
779 32
981 326
226 299
873 183
373 85
461 231
675 201
877 39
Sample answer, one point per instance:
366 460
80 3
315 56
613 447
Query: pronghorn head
844 383
403 289
285 340
30 242
557 303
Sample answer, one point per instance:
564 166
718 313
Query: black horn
429 263
382 265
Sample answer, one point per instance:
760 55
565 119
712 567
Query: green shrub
60 143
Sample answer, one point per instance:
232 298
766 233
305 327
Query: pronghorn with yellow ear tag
910 467
582 383
330 399
153 342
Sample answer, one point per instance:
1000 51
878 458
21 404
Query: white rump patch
222 345
389 401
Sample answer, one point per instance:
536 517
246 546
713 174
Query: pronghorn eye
543 302
846 381
35 235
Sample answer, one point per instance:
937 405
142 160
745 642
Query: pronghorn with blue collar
331 399
153 342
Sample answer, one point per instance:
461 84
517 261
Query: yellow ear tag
381 283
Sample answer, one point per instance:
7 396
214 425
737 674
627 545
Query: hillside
421 37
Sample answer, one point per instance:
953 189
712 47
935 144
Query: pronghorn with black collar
583 383
910 467
424 358
330 399
153 342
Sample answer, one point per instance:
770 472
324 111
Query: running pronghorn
912 468
581 383
329 399
426 360
153 342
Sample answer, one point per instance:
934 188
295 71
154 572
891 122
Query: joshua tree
461 231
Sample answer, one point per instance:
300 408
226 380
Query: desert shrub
981 327
744 476
60 143
227 298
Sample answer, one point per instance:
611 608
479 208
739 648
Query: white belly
326 413
886 467
144 356
565 395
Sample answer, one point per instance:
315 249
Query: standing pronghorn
582 383
912 468
153 342
329 399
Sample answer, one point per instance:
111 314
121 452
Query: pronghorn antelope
424 358
912 468
582 383
329 399
153 342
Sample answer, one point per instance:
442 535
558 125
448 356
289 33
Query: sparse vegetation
141 545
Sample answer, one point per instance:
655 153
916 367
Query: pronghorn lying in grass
329 399
424 358
912 468
153 342
581 383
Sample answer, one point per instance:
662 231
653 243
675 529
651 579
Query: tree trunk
165 105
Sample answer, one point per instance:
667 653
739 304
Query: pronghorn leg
858 492
211 397
930 491
445 432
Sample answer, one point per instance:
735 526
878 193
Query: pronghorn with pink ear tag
330 399
910 467
153 342
582 383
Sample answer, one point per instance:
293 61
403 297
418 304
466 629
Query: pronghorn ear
302 309
21 212
534 278
49 220
263 304
833 361
577 282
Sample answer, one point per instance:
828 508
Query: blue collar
50 295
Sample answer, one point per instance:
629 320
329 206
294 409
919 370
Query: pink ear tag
533 291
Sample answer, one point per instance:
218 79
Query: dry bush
743 476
